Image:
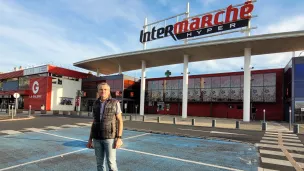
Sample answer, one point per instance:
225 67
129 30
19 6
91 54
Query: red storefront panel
274 110
40 93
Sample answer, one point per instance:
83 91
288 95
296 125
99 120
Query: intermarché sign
207 24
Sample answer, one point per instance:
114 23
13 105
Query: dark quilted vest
105 128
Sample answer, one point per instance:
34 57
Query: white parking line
276 161
137 136
297 155
34 129
262 169
70 126
10 132
195 130
293 144
85 124
62 136
43 132
292 140
278 147
53 127
270 138
35 161
284 143
179 159
286 137
276 153
280 153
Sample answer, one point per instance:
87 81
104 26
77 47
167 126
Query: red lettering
181 27
195 25
246 10
229 10
206 21
216 18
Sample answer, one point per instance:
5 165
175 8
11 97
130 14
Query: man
104 135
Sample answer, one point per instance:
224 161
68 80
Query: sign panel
302 109
213 22
16 95
35 70
40 89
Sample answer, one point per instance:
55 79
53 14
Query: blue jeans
104 149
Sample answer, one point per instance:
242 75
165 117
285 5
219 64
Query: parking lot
64 149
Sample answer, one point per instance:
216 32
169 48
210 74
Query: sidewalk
19 116
207 122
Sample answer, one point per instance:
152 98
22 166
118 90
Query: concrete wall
67 90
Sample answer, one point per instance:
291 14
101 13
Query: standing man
106 130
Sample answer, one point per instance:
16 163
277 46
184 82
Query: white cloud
27 38
111 45
104 12
293 23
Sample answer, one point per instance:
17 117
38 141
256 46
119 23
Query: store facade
123 88
294 90
218 95
50 86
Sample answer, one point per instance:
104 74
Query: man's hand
89 144
118 143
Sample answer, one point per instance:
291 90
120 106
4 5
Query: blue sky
62 32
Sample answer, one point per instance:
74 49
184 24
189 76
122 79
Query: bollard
174 120
193 122
158 119
289 119
30 107
237 125
144 118
12 111
264 126
130 117
264 111
9 110
296 129
213 123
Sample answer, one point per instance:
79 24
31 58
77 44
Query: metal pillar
142 87
187 17
119 69
247 77
97 72
145 29
185 87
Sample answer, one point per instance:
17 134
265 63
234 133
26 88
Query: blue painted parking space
64 149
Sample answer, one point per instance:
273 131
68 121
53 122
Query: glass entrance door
299 111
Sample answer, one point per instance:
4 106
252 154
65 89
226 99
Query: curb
187 136
20 119
250 130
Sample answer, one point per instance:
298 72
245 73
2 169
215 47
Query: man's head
103 90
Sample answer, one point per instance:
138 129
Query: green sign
167 73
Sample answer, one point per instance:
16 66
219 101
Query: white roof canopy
216 49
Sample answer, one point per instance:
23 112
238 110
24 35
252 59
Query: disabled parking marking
35 161
179 159
60 155
151 154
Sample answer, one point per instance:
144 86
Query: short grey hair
102 84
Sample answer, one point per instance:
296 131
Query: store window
299 111
66 101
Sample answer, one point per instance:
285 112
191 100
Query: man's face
104 91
